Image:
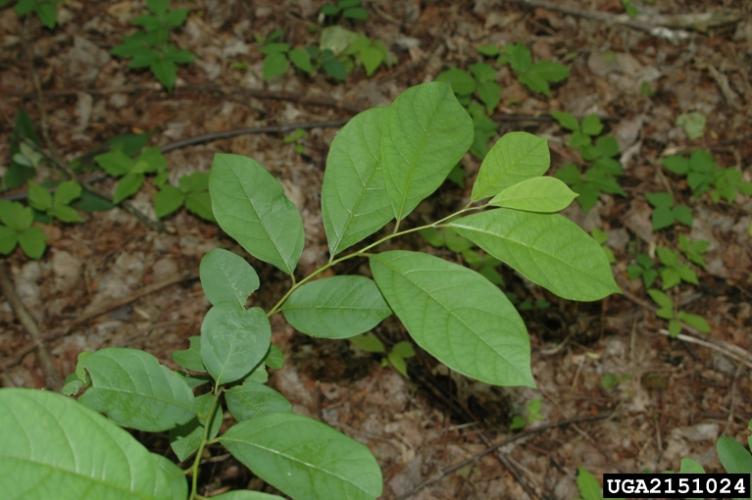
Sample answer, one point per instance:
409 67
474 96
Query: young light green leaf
336 308
461 81
425 133
566 120
695 321
275 65
57 448
515 157
536 194
233 341
456 315
32 241
548 249
227 277
304 458
246 495
251 207
167 200
66 192
589 487
135 391
354 203
252 398
733 456
301 59
65 213
369 343
691 466
127 186
592 125
199 204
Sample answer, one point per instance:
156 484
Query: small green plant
630 8
531 415
673 269
599 152
151 48
17 229
396 357
295 138
348 9
643 267
452 312
694 249
610 381
676 319
132 170
666 212
57 204
537 76
704 175
192 192
474 257
25 157
588 485
45 10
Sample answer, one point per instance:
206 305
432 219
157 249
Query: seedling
17 229
151 48
192 192
705 176
531 415
666 212
674 269
396 357
676 319
57 204
598 151
296 139
694 249
25 157
422 136
537 76
643 267
348 9
131 170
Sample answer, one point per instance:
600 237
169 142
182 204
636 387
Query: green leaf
456 315
199 203
135 391
251 207
549 71
548 249
676 164
65 214
167 200
165 71
252 399
371 58
275 65
53 447
536 194
8 240
566 120
425 133
354 203
233 341
246 495
32 241
227 277
518 56
66 192
589 487
515 157
16 216
336 308
302 60
490 94
190 358
368 343
127 186
39 197
592 125
660 298
304 458
733 456
695 321
461 81
690 466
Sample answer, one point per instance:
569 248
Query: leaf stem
204 440
364 251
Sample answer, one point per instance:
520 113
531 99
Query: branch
51 375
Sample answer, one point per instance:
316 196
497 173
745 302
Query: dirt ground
675 397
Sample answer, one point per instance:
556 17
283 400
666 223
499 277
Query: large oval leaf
53 447
354 203
425 133
304 458
336 308
134 390
246 495
734 457
250 206
227 277
233 341
457 315
515 157
548 249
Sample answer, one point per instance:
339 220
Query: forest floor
641 401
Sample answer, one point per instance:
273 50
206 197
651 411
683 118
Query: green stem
204 440
363 251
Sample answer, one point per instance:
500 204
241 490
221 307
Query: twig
51 375
86 317
492 448
642 24
228 134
